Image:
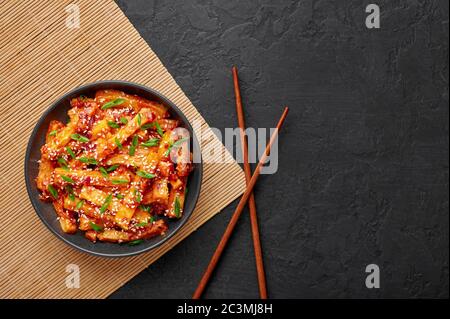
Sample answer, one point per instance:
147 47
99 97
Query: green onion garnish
113 124
79 204
88 160
119 181
63 163
151 142
52 191
139 119
112 168
175 144
104 172
137 196
113 103
146 126
67 179
70 192
71 153
145 208
158 128
123 120
134 144
145 174
135 242
177 207
52 133
105 204
143 224
119 196
95 226
79 138
118 144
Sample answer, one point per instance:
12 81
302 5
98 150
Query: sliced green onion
139 119
137 196
143 224
104 172
70 192
71 153
146 126
52 191
151 142
67 179
177 207
88 160
175 144
80 204
113 103
119 181
123 120
52 133
105 204
134 144
63 163
145 208
158 128
95 226
118 144
79 138
112 168
135 242
145 174
113 124
120 196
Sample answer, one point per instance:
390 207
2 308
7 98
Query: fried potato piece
67 222
160 191
85 208
168 124
156 228
133 102
138 160
83 177
45 164
132 199
113 236
91 235
98 198
105 146
51 150
141 216
176 203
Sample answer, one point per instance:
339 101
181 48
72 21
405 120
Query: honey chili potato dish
116 168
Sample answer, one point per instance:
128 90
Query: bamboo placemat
41 58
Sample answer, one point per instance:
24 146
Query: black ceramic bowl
58 111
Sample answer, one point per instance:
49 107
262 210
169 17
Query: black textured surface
363 171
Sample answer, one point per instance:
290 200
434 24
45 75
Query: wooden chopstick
231 225
251 201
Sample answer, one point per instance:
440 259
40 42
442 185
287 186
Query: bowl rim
58 101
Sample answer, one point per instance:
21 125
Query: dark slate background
363 170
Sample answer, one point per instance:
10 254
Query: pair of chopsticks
247 197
